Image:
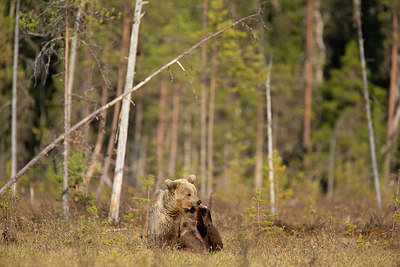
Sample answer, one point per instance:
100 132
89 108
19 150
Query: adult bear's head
184 192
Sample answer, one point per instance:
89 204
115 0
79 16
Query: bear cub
190 238
207 230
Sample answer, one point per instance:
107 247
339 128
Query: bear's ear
170 184
191 178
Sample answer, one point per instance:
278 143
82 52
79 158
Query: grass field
338 234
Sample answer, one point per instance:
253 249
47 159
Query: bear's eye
189 195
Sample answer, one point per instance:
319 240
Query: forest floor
341 235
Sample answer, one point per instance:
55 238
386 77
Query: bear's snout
199 202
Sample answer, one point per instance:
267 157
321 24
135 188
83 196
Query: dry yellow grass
316 239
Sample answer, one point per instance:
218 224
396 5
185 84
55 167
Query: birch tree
65 205
203 96
14 100
367 106
270 147
123 129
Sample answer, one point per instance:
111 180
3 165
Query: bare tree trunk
66 119
259 145
123 129
187 146
161 131
367 107
210 135
100 137
331 164
203 115
270 147
309 74
319 42
92 115
14 100
137 140
392 90
174 131
114 124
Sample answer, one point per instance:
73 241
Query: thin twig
88 118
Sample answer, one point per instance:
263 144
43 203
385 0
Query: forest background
165 139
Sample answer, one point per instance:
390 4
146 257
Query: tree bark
161 130
187 145
203 115
270 147
87 119
174 130
210 134
367 106
14 100
392 92
114 124
66 119
309 76
259 145
123 129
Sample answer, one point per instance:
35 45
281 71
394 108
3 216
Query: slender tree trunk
100 137
123 129
187 146
161 130
259 145
367 106
331 164
14 100
392 92
174 131
309 76
66 119
210 135
203 115
270 147
319 42
137 140
114 124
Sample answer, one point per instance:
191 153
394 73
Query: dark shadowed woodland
287 111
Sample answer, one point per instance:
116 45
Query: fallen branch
85 120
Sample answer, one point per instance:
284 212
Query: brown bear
189 236
207 230
168 206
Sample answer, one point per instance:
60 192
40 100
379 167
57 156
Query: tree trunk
14 100
392 92
123 129
259 145
270 147
367 106
66 119
187 146
114 124
203 115
137 141
319 42
309 74
161 130
210 134
174 131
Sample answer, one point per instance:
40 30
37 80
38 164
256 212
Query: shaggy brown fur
190 238
207 230
168 206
